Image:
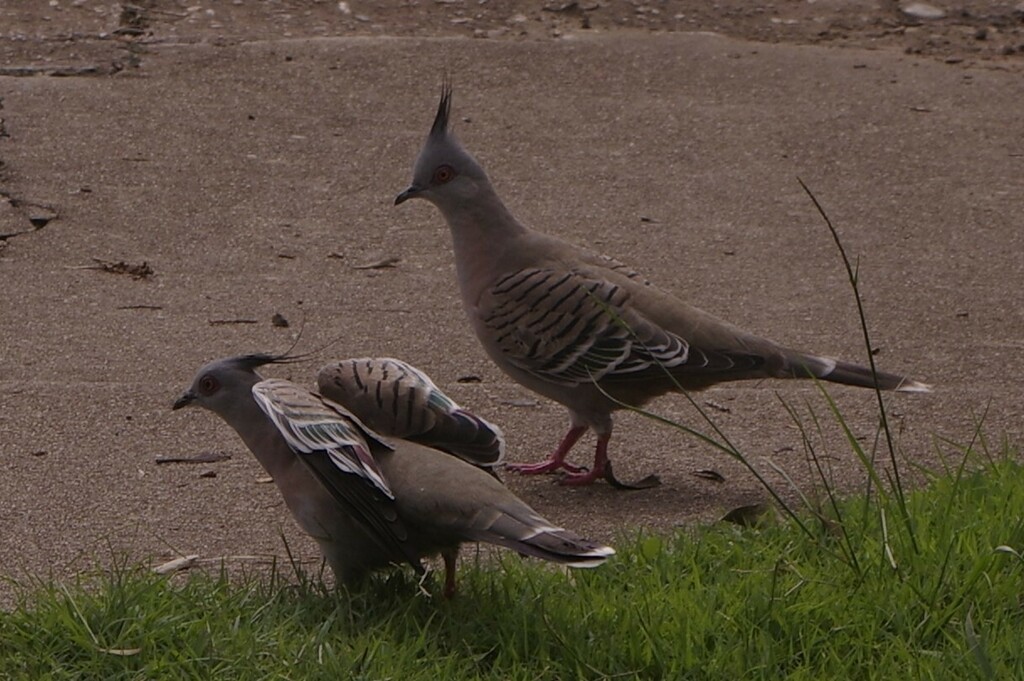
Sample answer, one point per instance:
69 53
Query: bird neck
482 230
261 436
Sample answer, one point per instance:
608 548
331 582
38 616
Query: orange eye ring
443 175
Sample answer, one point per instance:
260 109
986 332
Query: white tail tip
909 386
599 555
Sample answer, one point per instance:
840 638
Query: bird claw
586 477
580 479
650 481
546 466
578 476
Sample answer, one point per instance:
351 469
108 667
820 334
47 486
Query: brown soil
186 180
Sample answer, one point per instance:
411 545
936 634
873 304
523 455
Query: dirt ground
175 174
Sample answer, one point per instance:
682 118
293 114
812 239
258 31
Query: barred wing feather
312 424
570 328
398 400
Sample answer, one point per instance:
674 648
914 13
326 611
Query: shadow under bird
371 502
581 328
396 399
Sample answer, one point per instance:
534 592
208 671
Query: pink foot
557 460
600 463
582 479
546 466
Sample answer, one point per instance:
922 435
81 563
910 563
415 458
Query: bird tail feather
848 373
545 541
561 546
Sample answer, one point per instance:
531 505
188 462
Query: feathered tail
522 530
848 373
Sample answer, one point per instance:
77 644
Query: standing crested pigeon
371 503
398 400
584 329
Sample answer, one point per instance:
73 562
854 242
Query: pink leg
597 472
557 460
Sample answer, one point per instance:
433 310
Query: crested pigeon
397 399
370 502
584 329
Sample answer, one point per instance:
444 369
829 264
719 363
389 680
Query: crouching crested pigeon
370 502
584 329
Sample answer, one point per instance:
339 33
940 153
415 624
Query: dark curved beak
412 192
187 398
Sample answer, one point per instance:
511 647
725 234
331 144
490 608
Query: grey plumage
397 399
584 329
371 502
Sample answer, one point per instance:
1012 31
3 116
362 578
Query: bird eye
444 174
208 385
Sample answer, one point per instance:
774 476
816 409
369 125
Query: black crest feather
255 360
258 359
444 108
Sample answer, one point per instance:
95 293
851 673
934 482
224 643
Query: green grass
721 602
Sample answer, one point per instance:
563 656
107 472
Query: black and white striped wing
311 424
390 395
571 328
575 326
453 429
336 448
397 399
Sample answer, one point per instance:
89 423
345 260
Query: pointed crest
258 359
444 107
255 360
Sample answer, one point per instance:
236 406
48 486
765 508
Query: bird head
221 384
445 174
